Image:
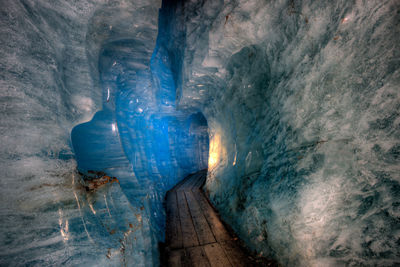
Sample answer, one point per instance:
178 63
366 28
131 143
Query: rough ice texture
139 136
49 83
302 100
102 67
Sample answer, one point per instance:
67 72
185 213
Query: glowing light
234 160
217 153
114 127
213 159
108 94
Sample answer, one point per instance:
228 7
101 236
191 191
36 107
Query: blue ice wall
302 100
50 83
140 137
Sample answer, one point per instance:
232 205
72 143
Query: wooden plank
174 258
204 233
200 180
182 182
235 254
190 178
188 231
193 228
179 258
194 185
211 216
173 226
216 255
196 181
189 182
198 257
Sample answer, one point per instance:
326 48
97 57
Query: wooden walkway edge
195 236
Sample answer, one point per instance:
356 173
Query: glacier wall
51 81
100 71
46 87
302 101
139 136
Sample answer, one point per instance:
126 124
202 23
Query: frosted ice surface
301 100
302 103
139 136
50 83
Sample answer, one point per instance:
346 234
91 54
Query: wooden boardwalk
195 236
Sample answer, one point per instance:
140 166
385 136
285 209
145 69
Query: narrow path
195 235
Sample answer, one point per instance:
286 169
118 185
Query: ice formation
302 99
301 109
63 62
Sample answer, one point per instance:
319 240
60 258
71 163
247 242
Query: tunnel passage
302 103
140 137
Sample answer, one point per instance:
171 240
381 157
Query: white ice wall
302 101
48 84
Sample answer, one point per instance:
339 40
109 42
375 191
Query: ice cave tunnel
292 107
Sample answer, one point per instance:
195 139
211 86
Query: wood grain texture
195 235
189 235
173 227
204 234
216 255
198 257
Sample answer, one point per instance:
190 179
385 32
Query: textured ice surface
139 136
302 101
49 83
140 132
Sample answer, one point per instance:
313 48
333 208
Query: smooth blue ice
88 63
139 136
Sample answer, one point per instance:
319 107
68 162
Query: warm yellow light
212 160
216 152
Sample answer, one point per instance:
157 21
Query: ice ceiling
292 105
